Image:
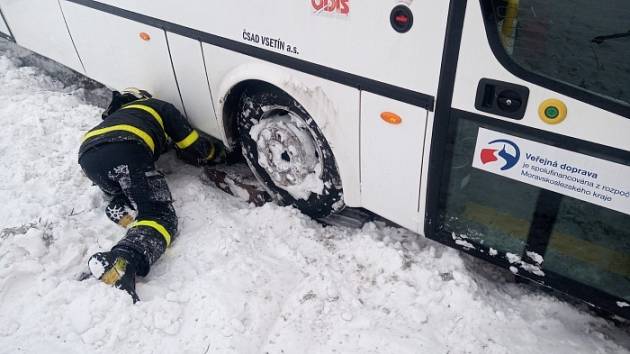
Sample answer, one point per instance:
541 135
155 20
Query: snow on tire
286 151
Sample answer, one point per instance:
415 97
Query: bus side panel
391 158
114 53
193 83
334 107
358 39
39 26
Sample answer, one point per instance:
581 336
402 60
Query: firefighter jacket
149 122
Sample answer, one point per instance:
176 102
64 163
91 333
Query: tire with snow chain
288 154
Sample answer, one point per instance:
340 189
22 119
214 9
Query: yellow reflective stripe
211 154
159 228
149 110
189 140
123 127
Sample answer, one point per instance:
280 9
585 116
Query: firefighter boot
118 268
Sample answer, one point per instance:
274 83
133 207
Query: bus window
572 238
481 207
582 43
591 244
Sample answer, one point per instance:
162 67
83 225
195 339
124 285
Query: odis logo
506 150
333 7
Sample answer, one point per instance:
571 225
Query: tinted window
583 43
582 242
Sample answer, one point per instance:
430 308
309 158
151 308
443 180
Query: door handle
501 98
509 101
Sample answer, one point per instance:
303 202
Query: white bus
497 127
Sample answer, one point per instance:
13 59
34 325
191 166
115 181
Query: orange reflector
391 118
145 36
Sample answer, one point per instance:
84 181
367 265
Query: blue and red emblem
510 157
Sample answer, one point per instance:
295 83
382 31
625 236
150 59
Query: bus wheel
288 154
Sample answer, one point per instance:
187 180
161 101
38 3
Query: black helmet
120 99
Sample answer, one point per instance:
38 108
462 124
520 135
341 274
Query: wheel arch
258 74
327 103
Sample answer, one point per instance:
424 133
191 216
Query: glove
219 155
118 268
206 150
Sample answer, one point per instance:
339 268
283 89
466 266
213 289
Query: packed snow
239 279
290 155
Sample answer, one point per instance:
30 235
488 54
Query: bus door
530 159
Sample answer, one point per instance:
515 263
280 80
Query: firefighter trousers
128 169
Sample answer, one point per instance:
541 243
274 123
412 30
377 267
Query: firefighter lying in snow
118 155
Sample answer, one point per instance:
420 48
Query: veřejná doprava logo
508 152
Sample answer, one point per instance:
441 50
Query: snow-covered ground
239 279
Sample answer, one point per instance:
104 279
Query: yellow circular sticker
552 111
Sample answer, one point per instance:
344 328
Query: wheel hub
286 150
